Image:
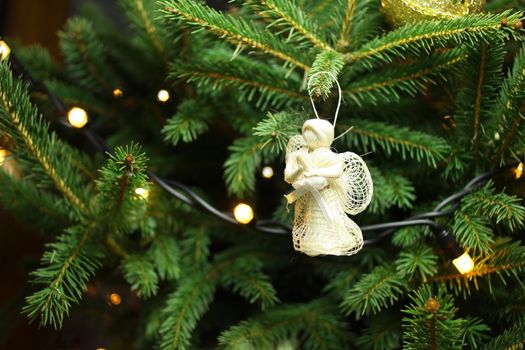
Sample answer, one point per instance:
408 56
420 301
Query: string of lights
243 214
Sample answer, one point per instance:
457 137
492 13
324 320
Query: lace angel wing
355 186
295 146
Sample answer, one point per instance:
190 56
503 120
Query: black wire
189 197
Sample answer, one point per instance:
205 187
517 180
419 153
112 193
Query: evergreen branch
499 207
391 190
420 260
382 332
275 131
246 278
430 323
35 145
481 77
410 79
239 168
140 273
140 13
509 105
366 25
120 207
374 291
319 327
217 71
409 236
371 135
505 260
511 339
423 36
86 56
346 24
289 12
190 121
473 231
166 256
195 248
324 73
236 30
40 208
189 302
69 263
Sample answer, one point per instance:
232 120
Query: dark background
90 325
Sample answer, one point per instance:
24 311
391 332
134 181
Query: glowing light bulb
5 50
115 299
142 192
267 172
117 93
464 263
243 213
163 95
518 172
3 156
77 117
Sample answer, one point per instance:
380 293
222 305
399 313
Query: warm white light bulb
3 156
163 95
142 192
464 263
243 213
115 299
518 171
117 93
77 117
5 50
267 172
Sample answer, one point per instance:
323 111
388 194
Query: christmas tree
194 107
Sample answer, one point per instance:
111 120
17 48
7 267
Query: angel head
318 133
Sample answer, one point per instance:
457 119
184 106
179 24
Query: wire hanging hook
338 88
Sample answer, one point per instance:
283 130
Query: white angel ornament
328 186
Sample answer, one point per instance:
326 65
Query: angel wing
295 146
355 186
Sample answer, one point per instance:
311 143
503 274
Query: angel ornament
328 186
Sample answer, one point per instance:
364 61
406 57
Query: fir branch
275 131
235 30
141 14
119 206
423 36
35 145
371 135
509 105
366 25
86 56
218 72
391 190
195 248
166 256
185 307
473 231
409 79
373 292
419 261
382 332
190 121
297 20
511 339
318 326
239 168
346 25
430 323
41 209
499 207
69 263
140 273
481 78
505 260
247 279
324 73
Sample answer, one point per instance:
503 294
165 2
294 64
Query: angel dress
321 226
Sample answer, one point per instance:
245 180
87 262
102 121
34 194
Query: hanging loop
338 87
